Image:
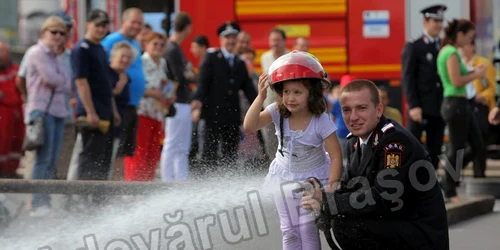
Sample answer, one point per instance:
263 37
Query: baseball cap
98 16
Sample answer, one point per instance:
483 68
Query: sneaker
41 211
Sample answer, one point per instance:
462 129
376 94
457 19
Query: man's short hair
201 40
278 31
126 13
181 22
359 85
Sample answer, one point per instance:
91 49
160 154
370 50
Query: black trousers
94 161
364 234
463 129
227 136
434 130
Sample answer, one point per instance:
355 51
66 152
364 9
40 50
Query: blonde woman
121 56
48 85
151 111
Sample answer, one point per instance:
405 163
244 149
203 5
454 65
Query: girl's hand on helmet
263 85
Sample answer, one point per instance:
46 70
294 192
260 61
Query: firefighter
389 197
222 75
422 85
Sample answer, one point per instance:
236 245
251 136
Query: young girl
304 132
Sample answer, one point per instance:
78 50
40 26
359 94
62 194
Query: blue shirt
88 60
342 130
135 71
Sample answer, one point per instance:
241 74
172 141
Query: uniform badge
375 141
429 57
393 154
392 160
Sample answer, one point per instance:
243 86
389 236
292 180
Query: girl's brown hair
455 26
154 35
316 101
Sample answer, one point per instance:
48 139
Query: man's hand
416 114
313 200
117 119
195 104
46 83
195 115
493 116
93 120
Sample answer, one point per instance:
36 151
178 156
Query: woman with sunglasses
48 85
151 111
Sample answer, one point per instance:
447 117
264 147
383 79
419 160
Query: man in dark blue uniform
422 85
389 197
222 75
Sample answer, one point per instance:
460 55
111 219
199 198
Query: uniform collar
226 53
431 39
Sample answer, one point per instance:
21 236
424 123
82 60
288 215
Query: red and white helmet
297 65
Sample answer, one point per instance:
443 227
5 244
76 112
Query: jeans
47 156
463 128
175 152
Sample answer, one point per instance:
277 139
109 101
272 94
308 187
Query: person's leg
94 161
16 150
230 142
6 134
183 144
434 130
154 151
175 151
458 127
212 135
476 142
288 210
135 165
43 167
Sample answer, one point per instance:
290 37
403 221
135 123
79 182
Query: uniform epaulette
387 127
349 136
84 45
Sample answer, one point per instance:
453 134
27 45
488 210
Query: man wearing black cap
94 99
421 83
222 75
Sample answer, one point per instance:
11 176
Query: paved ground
481 233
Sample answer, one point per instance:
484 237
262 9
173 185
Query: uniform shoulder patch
84 45
393 154
387 127
349 136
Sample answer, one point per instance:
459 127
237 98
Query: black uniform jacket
396 186
218 88
421 82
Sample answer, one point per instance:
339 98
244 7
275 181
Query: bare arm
332 146
255 119
456 78
83 90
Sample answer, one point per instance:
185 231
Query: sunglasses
55 32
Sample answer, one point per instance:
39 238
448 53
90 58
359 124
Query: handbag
34 138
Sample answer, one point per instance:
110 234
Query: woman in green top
456 110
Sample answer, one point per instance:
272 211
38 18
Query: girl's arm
456 78
332 146
255 119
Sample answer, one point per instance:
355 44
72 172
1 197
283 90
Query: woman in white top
151 112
